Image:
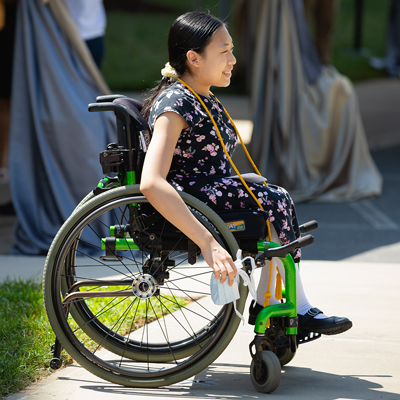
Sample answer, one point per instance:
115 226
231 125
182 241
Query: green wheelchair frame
70 299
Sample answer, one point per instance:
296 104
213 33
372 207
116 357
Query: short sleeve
180 100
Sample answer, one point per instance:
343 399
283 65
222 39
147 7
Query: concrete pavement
363 363
358 277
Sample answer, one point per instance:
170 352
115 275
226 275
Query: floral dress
201 168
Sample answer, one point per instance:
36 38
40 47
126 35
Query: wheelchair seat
247 226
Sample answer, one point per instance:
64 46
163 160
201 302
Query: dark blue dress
201 168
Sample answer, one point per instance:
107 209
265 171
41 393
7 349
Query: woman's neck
193 82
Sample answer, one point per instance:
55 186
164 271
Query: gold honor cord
278 277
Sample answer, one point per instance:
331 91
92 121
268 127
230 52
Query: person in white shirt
90 19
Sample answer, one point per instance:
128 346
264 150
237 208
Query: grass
136 45
136 48
373 40
26 335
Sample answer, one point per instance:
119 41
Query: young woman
185 153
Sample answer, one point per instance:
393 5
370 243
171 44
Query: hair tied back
169 72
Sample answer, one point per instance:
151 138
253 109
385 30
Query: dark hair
190 31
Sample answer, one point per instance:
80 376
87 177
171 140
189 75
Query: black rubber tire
285 355
60 268
271 376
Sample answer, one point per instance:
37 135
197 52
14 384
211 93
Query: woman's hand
220 261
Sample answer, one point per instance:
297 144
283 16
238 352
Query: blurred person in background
321 14
90 20
391 61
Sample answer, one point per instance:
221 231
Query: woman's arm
167 201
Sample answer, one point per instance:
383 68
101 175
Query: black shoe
326 326
254 309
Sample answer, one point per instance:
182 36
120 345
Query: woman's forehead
221 38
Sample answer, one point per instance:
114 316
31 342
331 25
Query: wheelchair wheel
273 334
270 374
285 355
142 316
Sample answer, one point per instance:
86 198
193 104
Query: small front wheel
270 375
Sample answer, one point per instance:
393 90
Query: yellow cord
268 293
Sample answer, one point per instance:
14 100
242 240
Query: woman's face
217 61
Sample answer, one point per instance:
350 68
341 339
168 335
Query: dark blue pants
96 47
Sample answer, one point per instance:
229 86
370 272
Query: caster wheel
270 373
285 355
55 363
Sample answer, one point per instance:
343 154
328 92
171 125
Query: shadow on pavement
221 381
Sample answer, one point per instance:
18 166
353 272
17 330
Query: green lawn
136 42
373 38
26 335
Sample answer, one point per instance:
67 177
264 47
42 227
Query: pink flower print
191 183
212 171
241 193
218 193
213 198
179 103
227 205
281 207
200 138
197 106
242 204
285 225
188 141
270 216
156 105
281 235
230 194
178 151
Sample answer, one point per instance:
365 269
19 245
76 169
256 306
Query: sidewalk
363 363
353 269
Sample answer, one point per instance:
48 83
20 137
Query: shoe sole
335 330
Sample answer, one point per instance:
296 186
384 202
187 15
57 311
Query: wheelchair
128 295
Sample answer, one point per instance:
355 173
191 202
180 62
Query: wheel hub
144 286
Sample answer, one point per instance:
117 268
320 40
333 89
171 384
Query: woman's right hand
220 261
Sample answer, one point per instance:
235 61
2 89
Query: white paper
250 177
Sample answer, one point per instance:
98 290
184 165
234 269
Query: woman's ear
193 58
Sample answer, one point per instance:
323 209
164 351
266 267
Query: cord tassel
278 286
267 296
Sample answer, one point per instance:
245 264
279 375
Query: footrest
305 337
